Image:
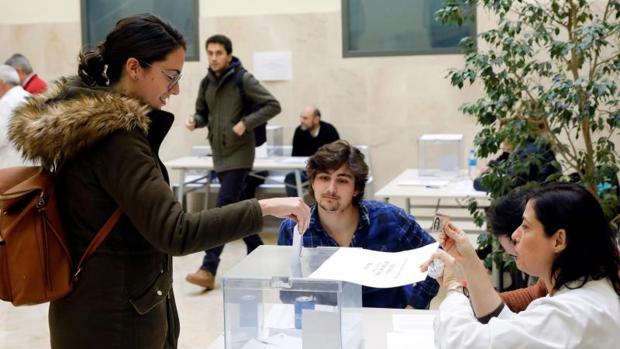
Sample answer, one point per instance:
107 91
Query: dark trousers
291 184
232 184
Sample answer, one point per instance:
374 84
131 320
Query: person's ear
559 241
133 68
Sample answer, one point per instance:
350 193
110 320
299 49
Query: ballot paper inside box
269 302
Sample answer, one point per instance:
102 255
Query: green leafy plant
550 71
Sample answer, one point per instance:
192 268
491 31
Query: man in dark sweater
310 135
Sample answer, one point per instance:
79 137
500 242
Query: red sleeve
518 300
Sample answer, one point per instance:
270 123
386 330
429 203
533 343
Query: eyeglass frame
174 79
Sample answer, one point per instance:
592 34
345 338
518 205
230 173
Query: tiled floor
201 314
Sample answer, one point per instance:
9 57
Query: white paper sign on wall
273 65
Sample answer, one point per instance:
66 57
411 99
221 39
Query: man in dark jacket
220 107
311 134
542 164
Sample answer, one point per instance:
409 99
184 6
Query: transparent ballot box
441 155
269 302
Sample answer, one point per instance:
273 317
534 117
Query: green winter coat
105 148
220 107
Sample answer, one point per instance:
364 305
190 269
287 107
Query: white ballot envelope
374 268
297 245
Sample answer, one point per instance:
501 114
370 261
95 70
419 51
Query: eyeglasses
174 78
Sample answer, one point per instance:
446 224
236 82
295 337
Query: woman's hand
449 268
455 241
483 297
293 208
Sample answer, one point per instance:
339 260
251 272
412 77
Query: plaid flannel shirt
382 227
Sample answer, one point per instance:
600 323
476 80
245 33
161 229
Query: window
100 16
398 27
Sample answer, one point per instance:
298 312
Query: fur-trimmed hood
70 117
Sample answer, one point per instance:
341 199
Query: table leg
300 188
207 190
181 190
408 205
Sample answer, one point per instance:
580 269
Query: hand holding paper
374 268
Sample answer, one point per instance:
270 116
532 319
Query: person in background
543 164
220 107
100 133
30 81
565 240
11 96
311 134
340 217
503 218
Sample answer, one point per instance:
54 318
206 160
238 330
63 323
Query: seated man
310 135
340 217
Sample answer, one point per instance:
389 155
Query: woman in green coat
100 133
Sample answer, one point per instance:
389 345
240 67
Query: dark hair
591 250
333 155
506 213
144 37
317 112
222 40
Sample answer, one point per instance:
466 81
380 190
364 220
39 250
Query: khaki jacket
225 109
104 148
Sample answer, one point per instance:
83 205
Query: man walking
231 103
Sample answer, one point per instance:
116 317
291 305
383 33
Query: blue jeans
289 180
232 184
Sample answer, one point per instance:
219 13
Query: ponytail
144 37
92 67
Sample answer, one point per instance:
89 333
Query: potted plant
550 72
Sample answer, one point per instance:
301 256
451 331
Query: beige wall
385 102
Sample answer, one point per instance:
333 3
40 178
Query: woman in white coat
566 241
11 96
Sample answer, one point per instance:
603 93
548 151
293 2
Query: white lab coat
8 102
587 317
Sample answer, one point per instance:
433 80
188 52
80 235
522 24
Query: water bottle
472 164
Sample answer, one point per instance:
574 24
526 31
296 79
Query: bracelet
460 287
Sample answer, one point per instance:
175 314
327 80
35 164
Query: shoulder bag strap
99 238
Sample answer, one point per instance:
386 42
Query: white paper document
278 341
273 65
374 268
414 322
414 328
425 182
405 340
296 256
